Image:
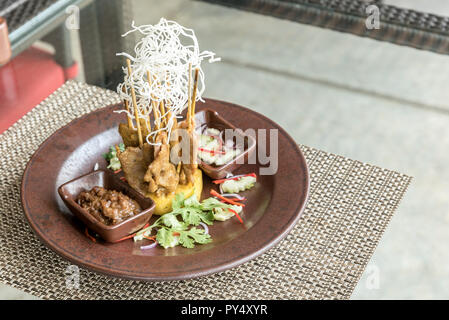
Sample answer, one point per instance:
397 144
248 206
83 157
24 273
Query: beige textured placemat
324 256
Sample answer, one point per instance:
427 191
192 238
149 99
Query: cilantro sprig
111 157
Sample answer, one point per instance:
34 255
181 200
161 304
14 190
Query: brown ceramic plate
273 207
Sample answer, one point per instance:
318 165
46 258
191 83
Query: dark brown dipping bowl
213 120
106 179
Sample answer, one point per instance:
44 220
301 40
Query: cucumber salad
213 150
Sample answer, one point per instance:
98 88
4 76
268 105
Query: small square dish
106 179
208 119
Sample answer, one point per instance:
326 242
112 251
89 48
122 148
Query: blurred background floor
367 100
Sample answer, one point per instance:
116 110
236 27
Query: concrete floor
367 100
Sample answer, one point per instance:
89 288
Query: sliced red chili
236 214
235 178
86 232
216 194
211 151
131 235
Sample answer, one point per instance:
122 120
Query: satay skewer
193 102
154 105
162 109
157 117
189 101
168 104
130 122
136 110
148 122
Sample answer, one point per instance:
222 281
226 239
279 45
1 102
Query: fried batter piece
161 174
186 174
148 153
130 136
134 167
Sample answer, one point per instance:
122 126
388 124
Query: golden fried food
164 202
161 174
130 136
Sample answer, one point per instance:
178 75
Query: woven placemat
349 207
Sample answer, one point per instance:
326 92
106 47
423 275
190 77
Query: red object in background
27 80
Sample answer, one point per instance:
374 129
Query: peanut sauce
108 206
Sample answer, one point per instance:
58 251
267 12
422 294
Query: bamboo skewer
169 113
130 122
136 111
189 101
148 122
153 104
162 109
193 102
169 116
157 118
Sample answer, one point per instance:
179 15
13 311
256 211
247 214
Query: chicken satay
188 169
134 167
130 136
161 175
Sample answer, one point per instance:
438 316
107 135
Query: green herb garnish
180 225
111 157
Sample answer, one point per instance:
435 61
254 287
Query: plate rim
190 274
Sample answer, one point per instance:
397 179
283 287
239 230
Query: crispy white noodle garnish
165 51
